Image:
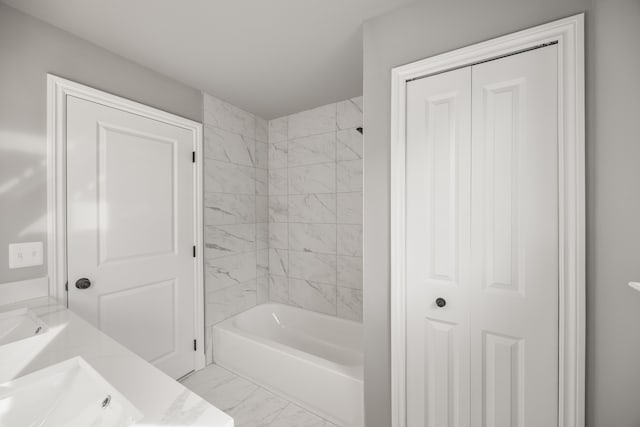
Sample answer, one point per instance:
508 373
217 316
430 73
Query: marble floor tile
295 416
207 379
228 396
258 410
249 404
226 390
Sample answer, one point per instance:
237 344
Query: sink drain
38 330
106 401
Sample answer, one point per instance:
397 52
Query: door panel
147 226
130 230
503 380
438 167
514 241
442 370
501 104
120 316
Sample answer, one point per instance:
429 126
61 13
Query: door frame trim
58 89
568 33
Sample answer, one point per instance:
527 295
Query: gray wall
613 219
430 27
29 49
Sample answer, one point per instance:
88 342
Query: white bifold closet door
482 241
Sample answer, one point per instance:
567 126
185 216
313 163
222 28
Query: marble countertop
162 400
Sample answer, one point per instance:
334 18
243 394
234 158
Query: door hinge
66 286
193 156
194 251
195 345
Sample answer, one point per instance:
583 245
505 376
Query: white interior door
482 235
130 231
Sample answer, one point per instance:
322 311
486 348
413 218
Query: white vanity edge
162 400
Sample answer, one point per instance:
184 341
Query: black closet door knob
83 283
441 302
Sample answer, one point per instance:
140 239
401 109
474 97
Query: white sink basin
17 325
70 394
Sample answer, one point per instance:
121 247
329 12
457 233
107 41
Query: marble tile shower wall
236 211
315 209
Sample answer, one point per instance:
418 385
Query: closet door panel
514 241
438 167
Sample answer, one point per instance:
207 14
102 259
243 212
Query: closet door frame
568 34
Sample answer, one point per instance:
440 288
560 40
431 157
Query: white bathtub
312 359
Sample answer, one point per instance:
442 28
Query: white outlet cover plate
26 254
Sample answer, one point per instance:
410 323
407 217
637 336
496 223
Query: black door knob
83 283
441 302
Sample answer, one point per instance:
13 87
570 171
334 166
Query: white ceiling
270 57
